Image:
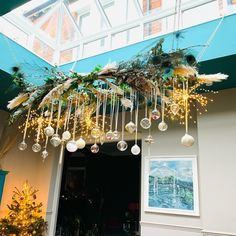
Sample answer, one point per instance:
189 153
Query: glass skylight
61 31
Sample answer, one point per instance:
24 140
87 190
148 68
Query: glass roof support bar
103 14
138 8
73 20
47 15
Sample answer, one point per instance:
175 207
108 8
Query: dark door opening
100 193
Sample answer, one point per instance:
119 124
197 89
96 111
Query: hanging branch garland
165 78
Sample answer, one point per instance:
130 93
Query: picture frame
171 185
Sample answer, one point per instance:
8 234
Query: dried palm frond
22 97
109 68
116 89
186 71
212 78
56 92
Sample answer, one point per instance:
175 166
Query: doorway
100 193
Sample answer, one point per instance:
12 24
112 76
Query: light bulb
145 123
44 154
95 133
187 140
109 135
122 145
36 147
71 146
22 146
135 149
174 108
49 131
116 135
162 126
80 143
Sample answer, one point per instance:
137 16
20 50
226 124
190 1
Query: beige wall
215 147
22 166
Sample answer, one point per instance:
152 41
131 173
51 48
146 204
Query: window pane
95 47
66 56
153 27
43 50
119 39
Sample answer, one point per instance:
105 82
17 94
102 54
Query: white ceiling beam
73 20
103 13
138 7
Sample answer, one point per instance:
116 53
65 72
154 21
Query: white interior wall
215 136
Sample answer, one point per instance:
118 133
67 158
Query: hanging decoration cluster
73 108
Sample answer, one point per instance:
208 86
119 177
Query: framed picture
171 185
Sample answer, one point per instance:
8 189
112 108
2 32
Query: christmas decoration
68 105
25 214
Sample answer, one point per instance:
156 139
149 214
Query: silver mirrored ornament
55 140
49 131
109 135
94 148
135 150
162 126
145 123
174 107
116 135
130 127
187 140
66 135
122 145
22 146
155 114
71 146
36 147
44 154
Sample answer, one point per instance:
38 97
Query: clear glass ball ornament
71 146
95 133
66 135
44 154
36 147
80 143
130 127
135 150
116 135
122 145
49 131
149 139
94 148
102 138
109 135
55 140
174 107
162 126
155 114
187 140
145 123
22 146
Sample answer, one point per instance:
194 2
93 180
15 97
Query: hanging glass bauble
102 138
66 135
80 143
149 139
71 146
116 135
36 147
162 126
109 135
94 148
122 145
55 140
44 154
49 131
95 133
174 107
135 149
145 123
130 127
22 146
187 140
155 114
